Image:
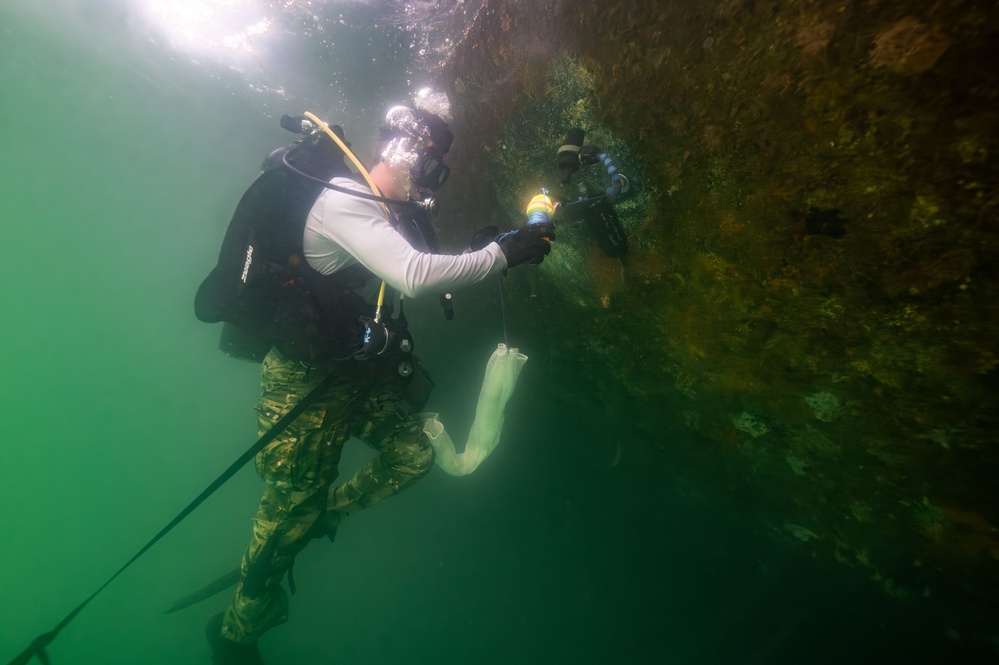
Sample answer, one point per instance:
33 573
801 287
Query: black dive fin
218 586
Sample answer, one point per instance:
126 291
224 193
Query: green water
121 165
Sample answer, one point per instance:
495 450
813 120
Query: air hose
367 178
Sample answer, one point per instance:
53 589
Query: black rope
39 644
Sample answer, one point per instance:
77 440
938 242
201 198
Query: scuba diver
307 244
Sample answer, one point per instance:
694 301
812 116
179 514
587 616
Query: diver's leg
281 529
386 423
298 466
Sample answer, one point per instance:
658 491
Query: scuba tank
262 288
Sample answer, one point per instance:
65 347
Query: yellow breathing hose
367 177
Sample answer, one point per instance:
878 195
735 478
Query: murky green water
122 161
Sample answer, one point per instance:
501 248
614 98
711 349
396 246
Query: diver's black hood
440 135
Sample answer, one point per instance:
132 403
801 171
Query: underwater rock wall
810 286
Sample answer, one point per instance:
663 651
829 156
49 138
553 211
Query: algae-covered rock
749 424
812 237
909 47
825 405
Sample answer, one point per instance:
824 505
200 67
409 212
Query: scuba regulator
391 338
312 132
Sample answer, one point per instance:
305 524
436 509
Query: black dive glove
529 244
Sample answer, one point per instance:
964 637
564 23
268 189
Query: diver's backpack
262 287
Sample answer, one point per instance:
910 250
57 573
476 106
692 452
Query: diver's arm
361 228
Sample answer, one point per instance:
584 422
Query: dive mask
436 139
421 139
431 174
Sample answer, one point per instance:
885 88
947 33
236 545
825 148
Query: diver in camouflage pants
300 465
343 230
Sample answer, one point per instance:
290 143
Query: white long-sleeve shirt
343 230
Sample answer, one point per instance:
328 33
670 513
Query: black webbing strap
38 645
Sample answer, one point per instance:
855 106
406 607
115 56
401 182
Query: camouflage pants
300 465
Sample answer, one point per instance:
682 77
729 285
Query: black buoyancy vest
262 283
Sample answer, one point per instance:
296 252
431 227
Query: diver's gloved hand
483 237
529 244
